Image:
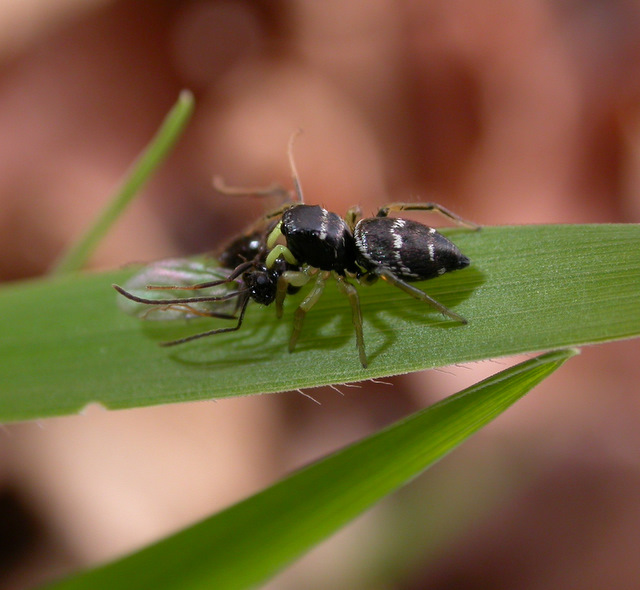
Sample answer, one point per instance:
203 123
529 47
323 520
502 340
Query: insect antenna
182 300
237 271
269 191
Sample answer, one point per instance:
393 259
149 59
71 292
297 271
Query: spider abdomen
410 250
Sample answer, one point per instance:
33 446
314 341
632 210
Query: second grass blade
249 542
153 155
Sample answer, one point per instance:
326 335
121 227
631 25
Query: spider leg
288 277
352 294
384 212
309 301
418 294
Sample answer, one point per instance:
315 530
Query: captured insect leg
288 277
245 302
232 277
384 212
418 294
309 301
273 190
351 292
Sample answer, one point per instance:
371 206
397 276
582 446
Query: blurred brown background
507 112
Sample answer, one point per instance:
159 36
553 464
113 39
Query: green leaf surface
252 540
141 170
64 343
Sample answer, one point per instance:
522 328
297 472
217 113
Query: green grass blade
153 155
249 542
64 343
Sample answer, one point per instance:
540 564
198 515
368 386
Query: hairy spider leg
384 212
300 278
356 314
290 277
417 294
309 301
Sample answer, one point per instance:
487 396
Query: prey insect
164 290
169 279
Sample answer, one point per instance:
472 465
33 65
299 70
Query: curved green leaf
64 343
250 541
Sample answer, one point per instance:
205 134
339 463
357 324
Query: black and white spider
318 244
